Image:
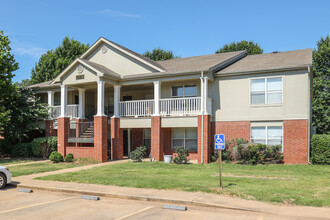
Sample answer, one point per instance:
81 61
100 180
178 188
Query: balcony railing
180 106
136 108
71 111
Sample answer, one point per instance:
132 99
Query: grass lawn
301 184
21 170
14 160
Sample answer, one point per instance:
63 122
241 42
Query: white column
64 95
50 101
100 98
206 81
157 94
202 96
81 107
116 99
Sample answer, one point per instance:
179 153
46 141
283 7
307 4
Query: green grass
311 186
13 161
20 170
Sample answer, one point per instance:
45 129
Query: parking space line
30 206
134 213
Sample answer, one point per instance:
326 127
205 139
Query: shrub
182 154
22 150
68 158
138 154
320 152
56 157
42 147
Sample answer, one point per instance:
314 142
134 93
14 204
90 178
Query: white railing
136 108
71 111
180 106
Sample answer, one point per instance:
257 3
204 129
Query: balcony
72 111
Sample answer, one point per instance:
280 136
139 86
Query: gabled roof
271 61
47 84
102 69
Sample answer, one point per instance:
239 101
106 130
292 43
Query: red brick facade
100 138
232 129
49 125
207 144
63 124
137 137
295 143
117 150
157 149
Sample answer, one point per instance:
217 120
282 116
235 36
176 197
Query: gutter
202 114
310 134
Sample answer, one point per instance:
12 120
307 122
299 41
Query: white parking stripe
29 206
134 213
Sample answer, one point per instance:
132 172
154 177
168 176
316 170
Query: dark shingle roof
102 69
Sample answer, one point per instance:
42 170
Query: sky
188 28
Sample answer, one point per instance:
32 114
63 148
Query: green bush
42 147
56 157
68 158
22 150
182 154
138 154
320 152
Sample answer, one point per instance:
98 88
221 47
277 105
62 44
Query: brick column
156 139
117 150
206 138
50 131
100 138
295 141
63 124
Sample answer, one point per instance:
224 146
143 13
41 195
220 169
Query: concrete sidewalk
167 196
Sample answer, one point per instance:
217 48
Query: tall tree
321 86
249 46
160 54
55 61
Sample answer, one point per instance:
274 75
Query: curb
138 198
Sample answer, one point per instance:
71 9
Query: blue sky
188 28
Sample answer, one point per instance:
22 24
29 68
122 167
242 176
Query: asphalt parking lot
52 205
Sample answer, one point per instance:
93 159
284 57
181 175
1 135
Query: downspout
310 77
202 114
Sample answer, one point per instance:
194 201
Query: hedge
320 153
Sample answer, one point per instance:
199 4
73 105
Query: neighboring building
111 100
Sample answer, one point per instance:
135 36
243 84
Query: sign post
219 144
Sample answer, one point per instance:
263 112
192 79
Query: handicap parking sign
219 141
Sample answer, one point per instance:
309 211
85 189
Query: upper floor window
266 90
184 91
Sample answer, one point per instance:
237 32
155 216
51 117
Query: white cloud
30 50
109 12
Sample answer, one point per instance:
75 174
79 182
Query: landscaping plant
56 157
69 158
138 154
320 153
42 147
21 150
181 155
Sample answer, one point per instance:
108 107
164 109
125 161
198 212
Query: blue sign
219 141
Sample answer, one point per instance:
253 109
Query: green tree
249 46
321 85
55 61
8 65
159 54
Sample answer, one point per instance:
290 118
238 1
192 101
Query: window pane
274 84
257 85
275 142
191 133
274 132
178 143
147 143
178 133
259 141
177 91
257 98
274 97
147 133
258 132
191 144
190 91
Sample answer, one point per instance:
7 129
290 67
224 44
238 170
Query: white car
5 176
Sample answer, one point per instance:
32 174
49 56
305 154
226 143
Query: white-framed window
266 90
270 135
147 137
184 91
186 137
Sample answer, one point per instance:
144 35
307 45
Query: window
270 135
184 91
266 91
186 137
147 137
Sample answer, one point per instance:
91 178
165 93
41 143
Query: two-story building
112 100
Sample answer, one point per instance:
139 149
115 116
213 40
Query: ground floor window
270 135
186 137
147 137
